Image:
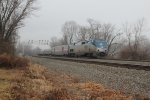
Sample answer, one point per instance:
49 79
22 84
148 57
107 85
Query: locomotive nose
101 52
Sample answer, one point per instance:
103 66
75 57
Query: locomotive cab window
83 42
71 50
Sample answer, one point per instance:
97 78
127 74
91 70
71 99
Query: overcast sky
52 14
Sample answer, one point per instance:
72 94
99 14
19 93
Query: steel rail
138 65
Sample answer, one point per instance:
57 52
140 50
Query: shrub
58 94
10 61
140 54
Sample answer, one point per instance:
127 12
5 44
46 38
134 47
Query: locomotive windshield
100 43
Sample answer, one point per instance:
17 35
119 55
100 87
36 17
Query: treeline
12 15
126 42
26 49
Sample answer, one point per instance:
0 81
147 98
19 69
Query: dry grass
32 85
10 61
89 86
7 77
39 84
95 91
35 82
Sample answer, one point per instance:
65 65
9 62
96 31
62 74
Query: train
92 48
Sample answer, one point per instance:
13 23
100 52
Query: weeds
10 61
39 84
35 82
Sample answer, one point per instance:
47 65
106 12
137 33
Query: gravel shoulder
127 80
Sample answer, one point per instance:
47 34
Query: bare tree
23 48
144 52
95 28
106 32
69 30
134 34
64 39
82 34
53 42
12 14
112 36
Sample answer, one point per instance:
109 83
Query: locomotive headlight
99 49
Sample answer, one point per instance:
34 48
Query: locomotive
93 48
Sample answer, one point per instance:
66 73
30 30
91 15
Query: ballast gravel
123 79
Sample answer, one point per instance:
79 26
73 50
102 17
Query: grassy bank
38 84
35 82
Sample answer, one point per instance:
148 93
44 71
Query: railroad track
130 64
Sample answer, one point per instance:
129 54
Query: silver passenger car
61 50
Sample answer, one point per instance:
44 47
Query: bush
125 53
140 54
10 61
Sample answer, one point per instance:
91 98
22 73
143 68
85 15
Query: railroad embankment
28 81
130 81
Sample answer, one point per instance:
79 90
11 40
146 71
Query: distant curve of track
139 65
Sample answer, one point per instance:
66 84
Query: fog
47 21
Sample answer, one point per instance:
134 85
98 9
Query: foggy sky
52 14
